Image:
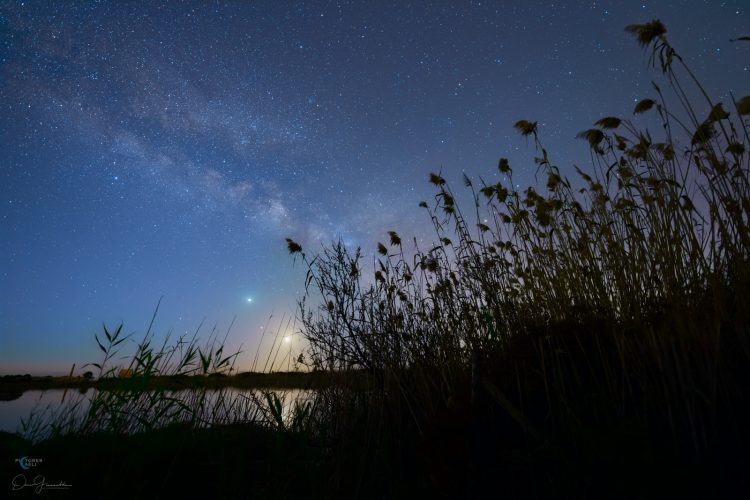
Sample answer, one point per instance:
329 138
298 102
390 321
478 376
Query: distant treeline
278 380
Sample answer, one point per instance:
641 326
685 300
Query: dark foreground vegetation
584 338
178 461
560 341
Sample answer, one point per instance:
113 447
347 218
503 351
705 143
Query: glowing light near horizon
249 300
287 339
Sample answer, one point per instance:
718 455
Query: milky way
167 149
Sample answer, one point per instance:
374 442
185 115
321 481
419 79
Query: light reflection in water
220 405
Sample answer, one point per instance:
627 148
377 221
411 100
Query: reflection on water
69 407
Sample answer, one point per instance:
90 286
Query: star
184 156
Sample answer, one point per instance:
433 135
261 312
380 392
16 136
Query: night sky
156 149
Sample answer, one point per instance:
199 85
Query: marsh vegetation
579 336
584 337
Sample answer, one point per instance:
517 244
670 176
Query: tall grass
131 397
547 316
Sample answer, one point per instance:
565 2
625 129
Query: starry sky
166 149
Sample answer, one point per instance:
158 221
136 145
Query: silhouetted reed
137 393
619 304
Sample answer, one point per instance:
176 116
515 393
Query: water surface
227 405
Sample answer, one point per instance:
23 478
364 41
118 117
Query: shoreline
15 385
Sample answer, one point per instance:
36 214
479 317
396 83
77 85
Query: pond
134 411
